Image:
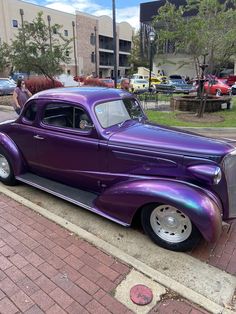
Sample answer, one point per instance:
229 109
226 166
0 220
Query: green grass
169 118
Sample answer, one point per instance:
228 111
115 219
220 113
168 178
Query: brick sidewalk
221 254
46 269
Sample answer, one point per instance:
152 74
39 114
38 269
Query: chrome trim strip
71 201
229 166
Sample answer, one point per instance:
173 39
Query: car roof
83 95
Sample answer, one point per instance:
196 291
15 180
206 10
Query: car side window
30 112
66 116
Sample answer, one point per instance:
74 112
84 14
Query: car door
23 131
68 146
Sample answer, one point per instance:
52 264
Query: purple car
96 148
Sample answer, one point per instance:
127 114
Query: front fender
13 153
201 206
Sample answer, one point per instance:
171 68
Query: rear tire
6 171
169 227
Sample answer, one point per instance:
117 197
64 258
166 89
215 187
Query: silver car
7 86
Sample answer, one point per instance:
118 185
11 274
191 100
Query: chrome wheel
170 224
5 170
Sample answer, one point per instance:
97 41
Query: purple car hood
154 137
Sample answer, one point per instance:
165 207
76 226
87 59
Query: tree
39 48
211 32
135 56
201 28
4 57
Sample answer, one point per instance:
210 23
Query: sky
126 10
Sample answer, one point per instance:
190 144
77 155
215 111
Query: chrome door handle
38 137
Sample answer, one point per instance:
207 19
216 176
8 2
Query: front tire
6 171
169 227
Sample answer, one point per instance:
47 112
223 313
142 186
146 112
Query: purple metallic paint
124 198
127 165
13 154
204 172
154 137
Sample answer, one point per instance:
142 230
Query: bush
94 82
89 81
37 84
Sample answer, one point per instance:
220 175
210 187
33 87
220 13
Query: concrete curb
157 276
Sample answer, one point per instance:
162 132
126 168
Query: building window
124 60
67 53
14 23
106 58
124 45
65 32
105 42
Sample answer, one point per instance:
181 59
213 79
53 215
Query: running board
76 196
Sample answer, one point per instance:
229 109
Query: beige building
95 45
92 51
13 12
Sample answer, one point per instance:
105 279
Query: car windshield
140 81
118 111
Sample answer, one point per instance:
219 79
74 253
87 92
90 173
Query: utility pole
114 42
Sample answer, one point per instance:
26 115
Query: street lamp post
75 56
50 31
151 40
114 42
22 25
22 17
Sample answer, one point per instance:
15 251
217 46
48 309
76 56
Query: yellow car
158 80
139 84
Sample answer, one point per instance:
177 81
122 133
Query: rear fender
13 153
201 206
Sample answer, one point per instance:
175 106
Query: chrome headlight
218 176
211 174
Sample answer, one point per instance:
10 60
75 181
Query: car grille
229 165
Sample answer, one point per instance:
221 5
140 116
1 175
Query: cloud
128 14
70 6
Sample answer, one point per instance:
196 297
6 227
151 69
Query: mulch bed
207 117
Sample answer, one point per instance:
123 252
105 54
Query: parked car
6 86
139 85
19 76
230 80
165 88
181 86
217 87
108 82
96 148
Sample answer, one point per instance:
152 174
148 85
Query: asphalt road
200 277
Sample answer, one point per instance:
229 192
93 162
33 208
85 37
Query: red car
108 82
217 87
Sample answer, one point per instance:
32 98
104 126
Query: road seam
162 279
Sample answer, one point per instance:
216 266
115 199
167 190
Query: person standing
20 95
124 84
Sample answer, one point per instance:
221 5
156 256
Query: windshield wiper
121 123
